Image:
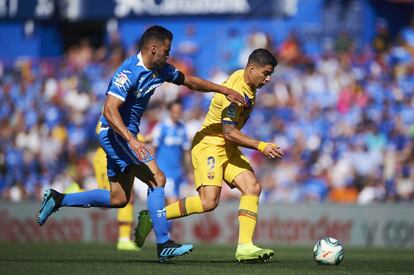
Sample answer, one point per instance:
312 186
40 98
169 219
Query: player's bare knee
257 189
118 200
253 189
160 179
209 204
118 203
122 203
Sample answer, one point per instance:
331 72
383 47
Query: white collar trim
141 61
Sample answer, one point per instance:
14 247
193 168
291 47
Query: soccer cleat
171 249
251 253
50 204
127 245
143 228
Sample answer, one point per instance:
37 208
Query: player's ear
153 49
251 68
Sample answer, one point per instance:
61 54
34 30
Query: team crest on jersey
211 163
231 111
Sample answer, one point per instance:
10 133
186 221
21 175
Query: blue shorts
118 152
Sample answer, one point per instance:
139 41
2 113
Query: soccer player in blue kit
172 147
128 94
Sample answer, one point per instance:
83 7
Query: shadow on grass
176 261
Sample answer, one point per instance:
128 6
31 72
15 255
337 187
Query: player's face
176 112
161 54
260 75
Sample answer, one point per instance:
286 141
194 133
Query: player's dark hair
262 57
157 33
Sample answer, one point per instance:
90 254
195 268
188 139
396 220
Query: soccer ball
328 251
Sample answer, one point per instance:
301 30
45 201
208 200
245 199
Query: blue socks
101 198
93 198
156 208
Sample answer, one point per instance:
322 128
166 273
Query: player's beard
160 64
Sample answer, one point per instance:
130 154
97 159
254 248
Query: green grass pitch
80 259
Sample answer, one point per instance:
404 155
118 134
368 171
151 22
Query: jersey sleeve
171 74
122 82
230 112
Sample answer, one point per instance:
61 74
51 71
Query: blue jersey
170 141
134 84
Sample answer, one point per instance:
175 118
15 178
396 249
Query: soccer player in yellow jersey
216 157
125 215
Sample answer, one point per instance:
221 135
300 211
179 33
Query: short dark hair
157 33
175 102
262 57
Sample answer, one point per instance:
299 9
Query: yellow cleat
127 245
251 253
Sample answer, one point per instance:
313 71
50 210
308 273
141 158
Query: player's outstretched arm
202 85
233 134
112 115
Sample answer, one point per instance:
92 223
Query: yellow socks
125 219
124 231
247 218
184 207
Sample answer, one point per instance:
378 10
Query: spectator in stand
382 39
289 50
326 97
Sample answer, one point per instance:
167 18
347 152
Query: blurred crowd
344 117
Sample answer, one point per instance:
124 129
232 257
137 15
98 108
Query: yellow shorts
99 165
213 164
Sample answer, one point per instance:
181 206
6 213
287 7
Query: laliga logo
207 229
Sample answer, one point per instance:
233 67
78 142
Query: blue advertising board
77 10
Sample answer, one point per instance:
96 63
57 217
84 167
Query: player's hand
273 151
140 149
235 97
